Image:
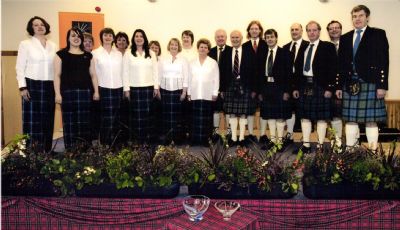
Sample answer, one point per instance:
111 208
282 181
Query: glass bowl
196 206
227 208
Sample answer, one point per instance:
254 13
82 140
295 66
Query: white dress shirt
139 71
203 79
173 75
361 34
189 54
35 61
108 67
310 72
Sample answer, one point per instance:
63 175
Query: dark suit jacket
293 61
281 70
254 57
214 52
324 67
371 60
246 71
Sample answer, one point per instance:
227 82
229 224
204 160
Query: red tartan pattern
94 213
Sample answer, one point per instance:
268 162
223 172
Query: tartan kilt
273 106
364 107
202 121
141 99
110 100
76 115
38 114
315 107
234 104
217 106
336 107
171 112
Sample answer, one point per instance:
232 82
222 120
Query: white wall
168 18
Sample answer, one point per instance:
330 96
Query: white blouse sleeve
215 73
20 67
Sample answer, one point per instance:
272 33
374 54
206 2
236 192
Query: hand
260 97
58 99
339 94
328 94
380 93
189 98
253 95
214 98
25 95
156 93
285 96
183 96
96 96
296 94
222 95
127 95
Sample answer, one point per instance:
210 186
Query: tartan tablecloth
95 213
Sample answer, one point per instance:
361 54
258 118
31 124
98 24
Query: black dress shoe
287 141
232 142
304 149
264 140
242 143
250 139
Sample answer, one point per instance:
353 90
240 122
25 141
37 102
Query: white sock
250 124
290 124
242 128
263 127
372 133
272 129
216 120
321 131
337 125
228 125
306 130
280 127
351 130
233 121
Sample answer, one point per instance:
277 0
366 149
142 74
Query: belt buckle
270 79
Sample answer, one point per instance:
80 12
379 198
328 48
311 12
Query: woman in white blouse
173 80
35 77
140 85
108 63
202 90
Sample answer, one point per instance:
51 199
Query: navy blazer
255 57
371 60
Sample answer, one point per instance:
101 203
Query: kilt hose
140 117
76 116
273 106
234 103
38 114
171 112
110 100
202 121
363 107
315 107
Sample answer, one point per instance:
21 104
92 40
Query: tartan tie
255 46
236 64
307 66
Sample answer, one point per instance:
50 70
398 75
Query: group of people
320 82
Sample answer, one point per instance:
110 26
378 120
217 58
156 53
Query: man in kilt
216 53
313 81
236 86
274 91
363 77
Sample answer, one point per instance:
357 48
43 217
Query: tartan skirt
364 107
273 106
236 104
141 99
38 114
202 121
110 100
171 112
76 116
315 107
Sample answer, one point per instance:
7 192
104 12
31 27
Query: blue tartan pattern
364 107
38 114
273 106
140 117
315 107
76 116
110 100
171 112
202 121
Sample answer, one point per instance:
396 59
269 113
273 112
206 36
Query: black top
75 70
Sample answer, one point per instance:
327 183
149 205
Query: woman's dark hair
123 35
156 43
188 33
29 26
80 35
107 31
145 44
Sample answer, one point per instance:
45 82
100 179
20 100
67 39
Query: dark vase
252 192
109 190
348 191
39 187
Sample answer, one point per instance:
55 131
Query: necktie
219 53
270 62
307 66
337 46
236 64
357 42
255 46
293 51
